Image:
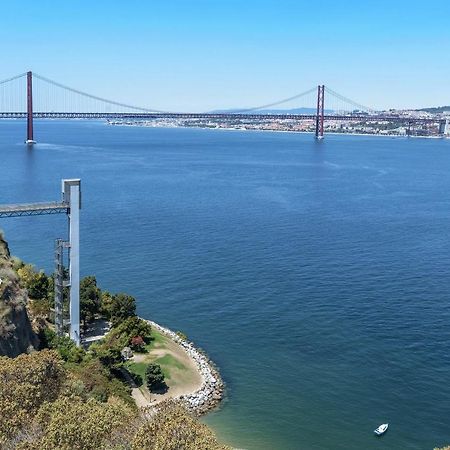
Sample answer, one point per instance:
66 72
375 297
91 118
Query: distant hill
435 110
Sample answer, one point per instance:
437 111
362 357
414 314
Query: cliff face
16 334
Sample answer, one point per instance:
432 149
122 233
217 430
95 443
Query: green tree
154 377
90 296
106 302
122 307
132 327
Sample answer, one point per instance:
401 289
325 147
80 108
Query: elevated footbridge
34 209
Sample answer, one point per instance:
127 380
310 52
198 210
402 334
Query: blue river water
316 275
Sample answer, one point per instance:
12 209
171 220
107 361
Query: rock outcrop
16 333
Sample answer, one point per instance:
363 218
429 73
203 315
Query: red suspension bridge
31 96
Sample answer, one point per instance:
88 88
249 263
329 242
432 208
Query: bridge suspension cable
94 97
349 101
276 103
13 78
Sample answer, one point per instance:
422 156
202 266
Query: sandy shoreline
210 392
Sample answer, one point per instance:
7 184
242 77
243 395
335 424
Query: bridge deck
214 116
33 209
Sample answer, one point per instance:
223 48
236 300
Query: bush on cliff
26 382
75 424
47 406
108 353
36 283
64 346
172 428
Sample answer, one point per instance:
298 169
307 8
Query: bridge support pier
320 111
30 140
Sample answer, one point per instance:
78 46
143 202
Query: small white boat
381 429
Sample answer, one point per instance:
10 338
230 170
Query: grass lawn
137 368
161 351
158 341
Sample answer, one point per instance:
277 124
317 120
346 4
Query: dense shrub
25 383
108 353
65 346
173 428
73 424
36 283
98 382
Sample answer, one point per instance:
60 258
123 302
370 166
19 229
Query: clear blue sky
206 54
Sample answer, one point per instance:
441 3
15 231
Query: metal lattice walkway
33 209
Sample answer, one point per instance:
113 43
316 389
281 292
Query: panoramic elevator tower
70 205
72 197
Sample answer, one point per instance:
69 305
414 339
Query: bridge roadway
213 116
33 209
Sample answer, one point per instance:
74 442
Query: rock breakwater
211 391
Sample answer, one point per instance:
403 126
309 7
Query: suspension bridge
32 96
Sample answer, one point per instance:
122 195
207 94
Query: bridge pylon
30 140
320 111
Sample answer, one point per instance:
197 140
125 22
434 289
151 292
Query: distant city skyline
207 55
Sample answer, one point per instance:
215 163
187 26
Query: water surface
315 274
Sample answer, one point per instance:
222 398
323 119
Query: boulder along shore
212 389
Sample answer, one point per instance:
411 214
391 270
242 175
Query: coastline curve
212 389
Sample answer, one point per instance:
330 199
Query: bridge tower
30 140
320 111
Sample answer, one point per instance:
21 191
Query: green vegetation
26 383
168 363
90 299
172 428
67 398
52 405
158 340
118 307
94 302
137 368
154 377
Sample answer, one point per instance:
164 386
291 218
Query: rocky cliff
16 334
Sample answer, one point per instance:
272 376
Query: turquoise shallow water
315 274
